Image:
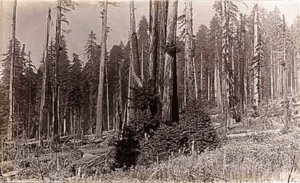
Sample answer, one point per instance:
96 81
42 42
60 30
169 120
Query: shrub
172 140
147 139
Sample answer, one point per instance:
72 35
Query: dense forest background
259 41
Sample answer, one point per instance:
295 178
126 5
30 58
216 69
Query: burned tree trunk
44 76
169 110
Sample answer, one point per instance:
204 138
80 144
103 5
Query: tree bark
107 97
12 62
284 65
168 110
195 74
142 64
255 65
163 15
99 122
134 68
190 83
56 74
272 86
120 104
153 28
44 76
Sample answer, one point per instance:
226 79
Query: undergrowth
259 158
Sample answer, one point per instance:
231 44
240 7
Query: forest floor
86 158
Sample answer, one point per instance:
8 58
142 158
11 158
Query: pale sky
32 14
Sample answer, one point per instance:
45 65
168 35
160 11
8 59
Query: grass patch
258 158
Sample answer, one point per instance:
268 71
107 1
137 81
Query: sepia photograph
150 91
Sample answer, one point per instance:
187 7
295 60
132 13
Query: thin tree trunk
243 63
195 77
128 106
91 112
12 62
292 70
120 103
218 81
99 122
208 86
80 126
185 87
71 122
75 123
255 65
107 97
113 112
44 76
58 110
286 101
124 121
65 123
142 64
272 86
296 72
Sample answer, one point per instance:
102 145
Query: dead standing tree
134 67
45 56
170 101
190 82
99 120
11 113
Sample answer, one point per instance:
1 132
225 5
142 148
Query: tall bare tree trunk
107 97
51 98
217 77
56 74
99 122
134 68
44 75
292 73
120 104
168 111
128 105
65 123
195 74
142 64
191 93
153 28
163 11
58 107
296 71
201 74
91 124
71 122
255 65
208 86
284 68
272 85
11 79
184 103
29 104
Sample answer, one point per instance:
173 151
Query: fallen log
86 163
252 133
11 174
